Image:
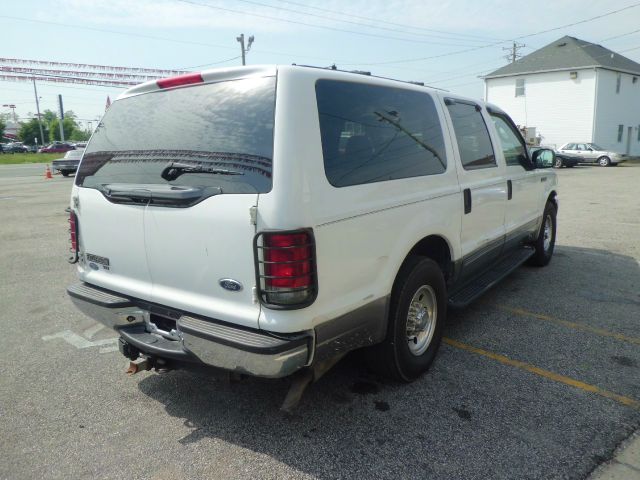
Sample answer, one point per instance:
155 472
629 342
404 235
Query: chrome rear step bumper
195 339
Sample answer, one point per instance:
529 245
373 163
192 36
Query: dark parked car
562 159
15 147
68 164
57 147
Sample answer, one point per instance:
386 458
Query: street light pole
13 110
35 90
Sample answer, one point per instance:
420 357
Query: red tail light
73 233
286 268
180 80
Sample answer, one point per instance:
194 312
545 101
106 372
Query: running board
487 280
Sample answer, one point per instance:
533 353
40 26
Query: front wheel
416 317
604 161
546 241
558 162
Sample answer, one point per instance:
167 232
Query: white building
572 91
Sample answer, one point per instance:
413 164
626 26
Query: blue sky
179 34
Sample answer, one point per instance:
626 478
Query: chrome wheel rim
421 319
604 162
558 162
548 232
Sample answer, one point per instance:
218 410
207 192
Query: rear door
191 162
483 184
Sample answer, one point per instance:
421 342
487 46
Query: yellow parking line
574 325
629 402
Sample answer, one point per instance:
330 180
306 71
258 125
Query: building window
620 131
618 81
638 127
519 87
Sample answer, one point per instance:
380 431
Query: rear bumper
194 339
60 165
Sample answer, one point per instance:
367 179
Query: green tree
30 130
2 127
48 116
79 135
69 124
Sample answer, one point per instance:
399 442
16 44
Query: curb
625 464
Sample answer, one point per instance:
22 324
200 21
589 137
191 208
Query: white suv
268 220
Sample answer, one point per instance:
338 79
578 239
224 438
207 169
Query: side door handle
467 200
509 190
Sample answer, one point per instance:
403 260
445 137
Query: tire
604 161
420 285
546 241
64 173
558 163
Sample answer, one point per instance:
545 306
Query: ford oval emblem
93 266
230 284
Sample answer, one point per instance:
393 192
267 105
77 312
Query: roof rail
363 72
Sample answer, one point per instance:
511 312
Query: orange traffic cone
47 173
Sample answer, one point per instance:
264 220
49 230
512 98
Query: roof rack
363 72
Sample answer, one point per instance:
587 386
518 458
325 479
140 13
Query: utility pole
61 118
513 51
244 51
35 90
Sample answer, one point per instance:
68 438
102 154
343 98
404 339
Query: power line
253 2
209 64
152 37
612 12
606 14
296 22
129 34
405 26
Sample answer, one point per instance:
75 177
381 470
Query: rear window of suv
211 135
372 133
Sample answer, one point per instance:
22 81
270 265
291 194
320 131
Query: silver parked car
68 164
592 153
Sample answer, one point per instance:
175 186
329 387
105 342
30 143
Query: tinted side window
372 133
512 146
472 136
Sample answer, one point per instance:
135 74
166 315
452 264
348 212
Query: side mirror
544 158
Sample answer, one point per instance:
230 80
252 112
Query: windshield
206 129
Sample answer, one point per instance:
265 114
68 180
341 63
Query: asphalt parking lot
538 379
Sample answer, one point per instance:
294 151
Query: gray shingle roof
568 53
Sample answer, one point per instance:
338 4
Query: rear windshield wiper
174 169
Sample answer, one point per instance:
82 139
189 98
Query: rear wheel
65 173
604 161
546 241
416 317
